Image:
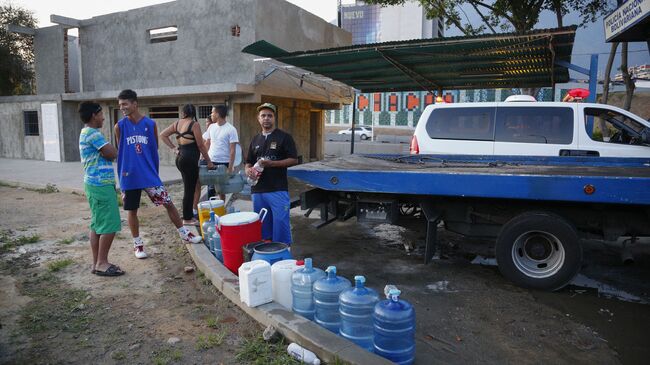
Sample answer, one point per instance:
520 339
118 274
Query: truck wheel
539 250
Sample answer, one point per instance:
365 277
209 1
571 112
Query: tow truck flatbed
575 179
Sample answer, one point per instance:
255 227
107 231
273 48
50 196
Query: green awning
480 62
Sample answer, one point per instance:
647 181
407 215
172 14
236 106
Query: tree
16 51
627 79
506 15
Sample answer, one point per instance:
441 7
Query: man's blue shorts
276 225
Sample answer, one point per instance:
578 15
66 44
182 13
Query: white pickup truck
531 129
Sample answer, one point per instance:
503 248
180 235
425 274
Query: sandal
112 270
193 222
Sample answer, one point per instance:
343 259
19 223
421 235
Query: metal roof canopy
481 62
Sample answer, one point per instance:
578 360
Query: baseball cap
268 106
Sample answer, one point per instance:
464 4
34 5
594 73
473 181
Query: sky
588 40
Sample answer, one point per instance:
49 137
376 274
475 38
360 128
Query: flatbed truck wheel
539 250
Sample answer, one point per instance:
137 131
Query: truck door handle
575 153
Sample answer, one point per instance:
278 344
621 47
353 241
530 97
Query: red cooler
237 230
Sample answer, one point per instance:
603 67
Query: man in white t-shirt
222 139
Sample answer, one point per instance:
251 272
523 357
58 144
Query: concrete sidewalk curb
326 345
30 186
64 189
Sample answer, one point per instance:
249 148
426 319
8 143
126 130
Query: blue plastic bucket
271 252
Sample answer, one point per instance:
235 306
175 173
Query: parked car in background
363 132
531 128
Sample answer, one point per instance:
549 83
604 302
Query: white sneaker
191 238
139 252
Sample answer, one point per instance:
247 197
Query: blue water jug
302 281
215 243
394 329
326 299
356 307
209 229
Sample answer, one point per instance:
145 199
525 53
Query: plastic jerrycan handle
262 216
217 224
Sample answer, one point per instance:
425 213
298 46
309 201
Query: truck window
534 125
609 126
461 123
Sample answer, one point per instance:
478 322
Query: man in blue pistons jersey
137 166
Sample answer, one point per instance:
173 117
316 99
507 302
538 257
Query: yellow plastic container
204 209
214 204
218 206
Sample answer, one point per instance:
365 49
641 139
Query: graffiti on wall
403 109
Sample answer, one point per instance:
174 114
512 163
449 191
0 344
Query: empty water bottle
356 307
394 329
326 299
215 244
302 281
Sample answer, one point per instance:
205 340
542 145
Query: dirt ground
54 311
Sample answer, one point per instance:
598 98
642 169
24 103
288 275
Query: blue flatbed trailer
537 208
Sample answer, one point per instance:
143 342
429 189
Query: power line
606 53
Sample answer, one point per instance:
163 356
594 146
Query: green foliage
58 265
54 308
166 355
211 340
16 51
8 243
257 351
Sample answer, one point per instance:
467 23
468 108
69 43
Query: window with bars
204 111
163 112
31 122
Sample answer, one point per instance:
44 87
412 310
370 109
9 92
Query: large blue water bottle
302 281
394 328
326 299
209 229
356 307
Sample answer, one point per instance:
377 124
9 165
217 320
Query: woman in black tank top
190 146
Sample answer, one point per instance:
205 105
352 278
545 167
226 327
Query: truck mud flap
433 217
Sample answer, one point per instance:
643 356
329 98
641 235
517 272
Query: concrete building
185 51
375 24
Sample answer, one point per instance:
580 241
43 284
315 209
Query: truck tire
539 250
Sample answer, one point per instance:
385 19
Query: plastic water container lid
239 219
282 264
270 247
360 278
255 265
216 202
204 205
287 266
